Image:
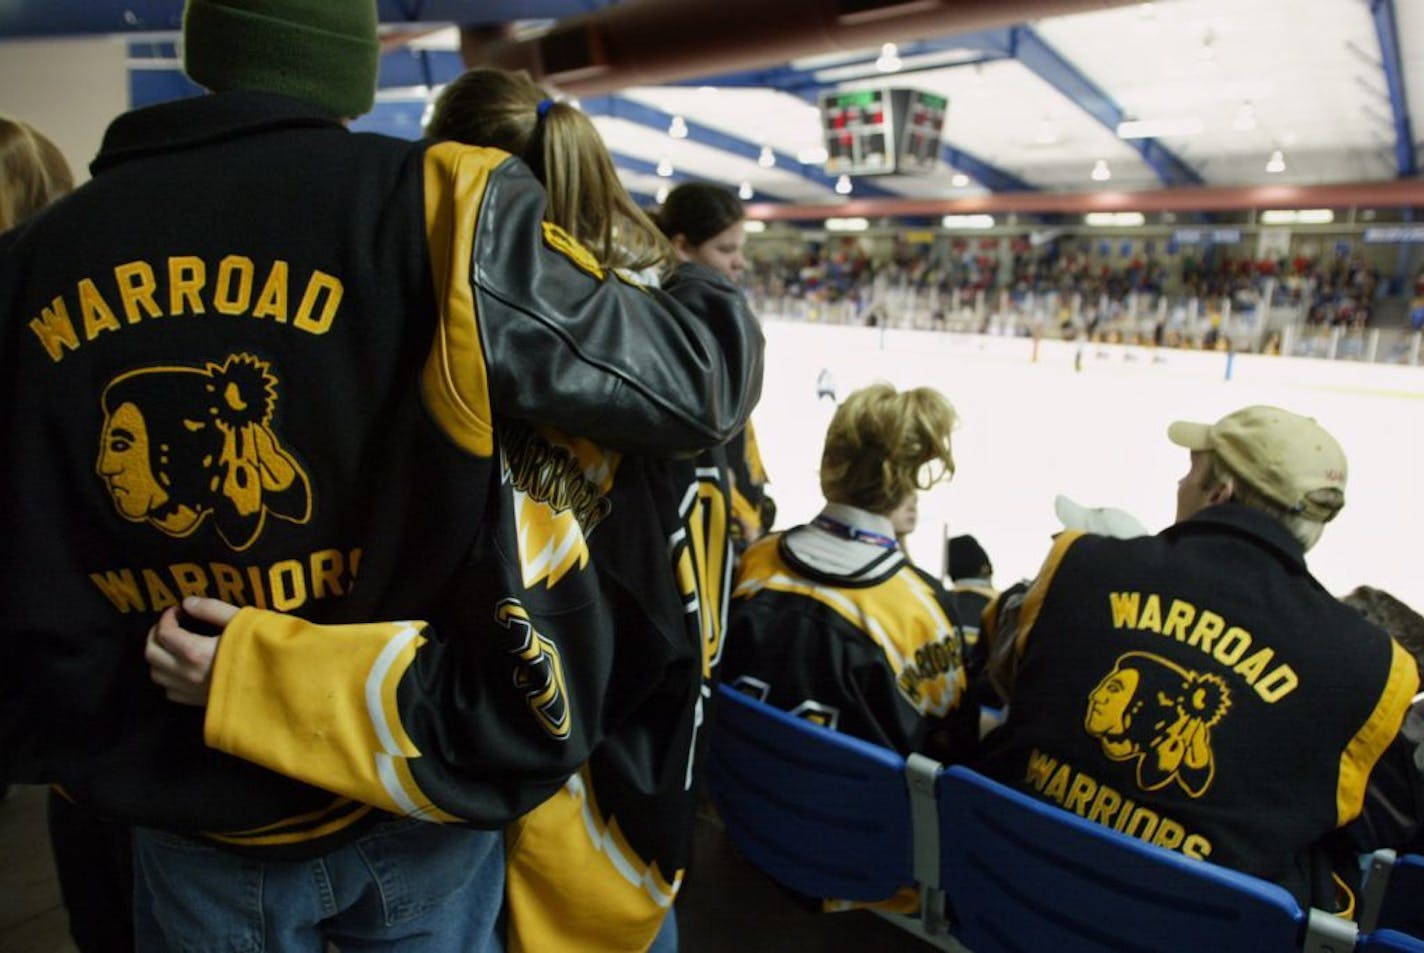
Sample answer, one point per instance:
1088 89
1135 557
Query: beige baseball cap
1286 457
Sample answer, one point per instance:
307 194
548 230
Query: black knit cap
967 559
324 52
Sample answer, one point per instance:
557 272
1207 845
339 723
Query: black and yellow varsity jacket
1200 690
261 358
849 634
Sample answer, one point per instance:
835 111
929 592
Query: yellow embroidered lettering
1143 823
136 286
191 579
326 573
55 330
1151 618
1196 846
233 292
1080 793
1252 668
1124 609
1040 768
229 584
160 597
1058 785
287 584
95 311
186 277
1209 626
1179 616
1169 834
120 588
328 291
1279 683
1232 646
259 595
1105 805
272 300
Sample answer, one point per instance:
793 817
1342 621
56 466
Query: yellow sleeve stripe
1033 599
455 382
319 704
1360 755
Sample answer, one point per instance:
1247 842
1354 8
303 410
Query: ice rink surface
1031 429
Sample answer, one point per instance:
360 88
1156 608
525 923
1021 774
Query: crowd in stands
1066 287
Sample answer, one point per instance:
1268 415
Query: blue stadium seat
1390 941
823 813
1023 876
1393 895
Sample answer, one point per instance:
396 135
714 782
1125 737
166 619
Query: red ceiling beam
647 42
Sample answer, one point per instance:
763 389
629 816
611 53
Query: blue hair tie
543 108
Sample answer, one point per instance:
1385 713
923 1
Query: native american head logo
1161 714
181 445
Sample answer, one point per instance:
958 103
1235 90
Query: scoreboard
881 131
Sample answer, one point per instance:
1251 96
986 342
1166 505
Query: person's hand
181 660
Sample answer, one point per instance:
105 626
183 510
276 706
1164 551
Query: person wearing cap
1198 688
262 358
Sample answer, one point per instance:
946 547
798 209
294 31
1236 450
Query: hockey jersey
848 633
325 394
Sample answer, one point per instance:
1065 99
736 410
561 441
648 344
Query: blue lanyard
846 531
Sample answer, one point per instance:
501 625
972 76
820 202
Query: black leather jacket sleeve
590 352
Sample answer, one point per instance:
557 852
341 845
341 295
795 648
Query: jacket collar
185 123
1244 521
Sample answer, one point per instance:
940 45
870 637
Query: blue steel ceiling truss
1387 29
1053 68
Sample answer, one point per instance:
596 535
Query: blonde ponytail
499 108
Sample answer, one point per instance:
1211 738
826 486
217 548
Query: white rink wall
1032 429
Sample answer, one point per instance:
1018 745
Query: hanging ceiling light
744 191
677 128
1277 162
843 185
889 61
1101 172
959 180
662 194
767 158
665 167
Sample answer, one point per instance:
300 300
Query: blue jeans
666 940
407 885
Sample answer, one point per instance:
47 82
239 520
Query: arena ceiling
1232 92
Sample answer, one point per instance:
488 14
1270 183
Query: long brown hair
501 108
33 172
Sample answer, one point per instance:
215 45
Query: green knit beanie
322 51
